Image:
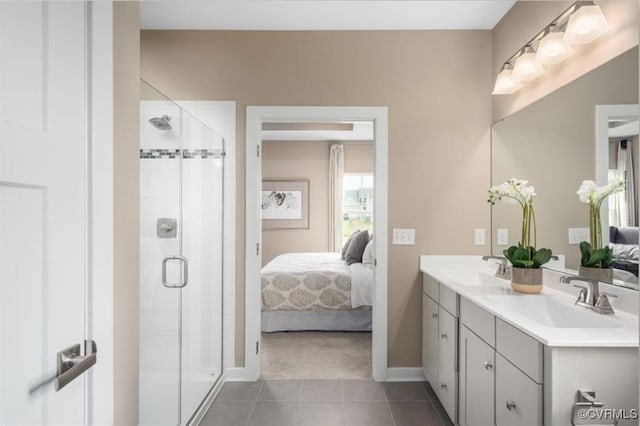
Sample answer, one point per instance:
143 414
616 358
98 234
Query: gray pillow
625 251
356 248
346 244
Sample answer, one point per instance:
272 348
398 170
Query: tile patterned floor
325 403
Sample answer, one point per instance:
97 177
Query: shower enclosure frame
182 159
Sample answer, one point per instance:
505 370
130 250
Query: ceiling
322 14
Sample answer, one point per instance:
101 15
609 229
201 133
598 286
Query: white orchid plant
593 254
525 254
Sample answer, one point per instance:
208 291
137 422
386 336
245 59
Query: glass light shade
553 49
585 25
506 84
526 67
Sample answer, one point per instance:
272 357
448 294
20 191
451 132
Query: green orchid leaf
541 257
585 250
524 263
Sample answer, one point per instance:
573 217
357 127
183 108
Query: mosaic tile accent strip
175 153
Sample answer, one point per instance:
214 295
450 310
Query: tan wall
126 135
437 86
551 144
358 157
526 18
292 160
298 160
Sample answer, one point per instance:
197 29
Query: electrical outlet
479 236
577 235
502 237
404 237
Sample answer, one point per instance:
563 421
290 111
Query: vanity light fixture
586 24
527 68
505 83
581 23
553 47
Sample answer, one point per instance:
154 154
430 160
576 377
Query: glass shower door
181 170
201 331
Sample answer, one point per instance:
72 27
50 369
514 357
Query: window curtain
625 164
622 210
336 172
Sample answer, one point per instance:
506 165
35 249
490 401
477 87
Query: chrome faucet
590 296
504 270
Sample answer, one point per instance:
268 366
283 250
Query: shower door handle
185 272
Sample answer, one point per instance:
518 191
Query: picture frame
284 204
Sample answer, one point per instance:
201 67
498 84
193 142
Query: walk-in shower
181 206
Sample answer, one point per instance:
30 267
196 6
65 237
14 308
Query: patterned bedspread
306 281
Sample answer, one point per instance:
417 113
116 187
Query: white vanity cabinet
477 380
440 343
500 371
519 359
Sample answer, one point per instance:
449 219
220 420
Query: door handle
70 365
185 272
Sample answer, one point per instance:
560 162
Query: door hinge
375 262
257 150
257 249
257 347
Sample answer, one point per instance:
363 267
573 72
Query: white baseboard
405 374
236 374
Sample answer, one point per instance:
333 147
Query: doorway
256 118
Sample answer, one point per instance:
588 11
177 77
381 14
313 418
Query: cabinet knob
511 405
488 365
443 336
443 386
434 315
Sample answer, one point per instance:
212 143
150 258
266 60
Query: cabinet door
518 398
430 340
447 363
477 380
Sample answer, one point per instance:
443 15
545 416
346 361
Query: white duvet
361 285
300 265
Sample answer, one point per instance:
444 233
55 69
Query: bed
316 291
624 244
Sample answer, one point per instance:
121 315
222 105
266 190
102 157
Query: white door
43 206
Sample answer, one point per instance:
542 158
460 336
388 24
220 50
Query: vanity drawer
479 321
430 286
448 300
522 350
518 398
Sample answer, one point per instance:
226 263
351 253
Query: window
357 204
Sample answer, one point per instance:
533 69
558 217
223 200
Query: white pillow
367 255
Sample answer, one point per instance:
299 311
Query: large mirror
552 143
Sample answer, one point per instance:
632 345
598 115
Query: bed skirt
351 320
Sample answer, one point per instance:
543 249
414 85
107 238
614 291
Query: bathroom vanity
497 357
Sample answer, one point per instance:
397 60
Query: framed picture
285 204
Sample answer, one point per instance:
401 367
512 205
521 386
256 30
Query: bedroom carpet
316 355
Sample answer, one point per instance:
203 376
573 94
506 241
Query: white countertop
617 330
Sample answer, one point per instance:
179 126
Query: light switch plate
502 237
576 235
480 237
404 237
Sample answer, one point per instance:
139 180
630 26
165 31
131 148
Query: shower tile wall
164 381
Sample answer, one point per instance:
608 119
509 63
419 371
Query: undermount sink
550 312
475 277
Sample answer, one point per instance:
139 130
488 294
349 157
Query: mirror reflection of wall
551 143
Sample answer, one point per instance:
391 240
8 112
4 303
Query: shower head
161 123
